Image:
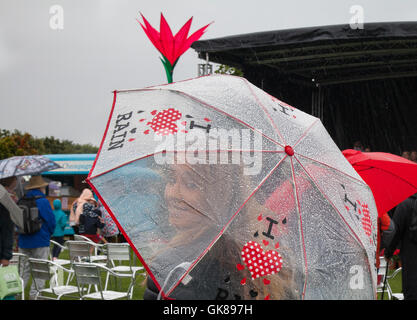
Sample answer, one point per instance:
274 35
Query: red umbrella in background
391 178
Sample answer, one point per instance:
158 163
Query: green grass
119 285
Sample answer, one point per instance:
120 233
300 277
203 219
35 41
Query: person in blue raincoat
61 222
37 245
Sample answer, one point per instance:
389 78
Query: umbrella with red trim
391 178
225 192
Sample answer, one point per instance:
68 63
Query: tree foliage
225 69
17 143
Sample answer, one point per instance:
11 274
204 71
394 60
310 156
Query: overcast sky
59 82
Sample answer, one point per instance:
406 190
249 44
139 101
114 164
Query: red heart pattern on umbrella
366 220
164 122
259 262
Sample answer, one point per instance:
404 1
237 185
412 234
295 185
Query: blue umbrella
26 165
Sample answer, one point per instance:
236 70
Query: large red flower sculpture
171 47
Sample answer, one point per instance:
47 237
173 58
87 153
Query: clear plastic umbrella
225 192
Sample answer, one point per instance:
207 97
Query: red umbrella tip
289 150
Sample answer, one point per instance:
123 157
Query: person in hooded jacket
61 222
405 219
37 245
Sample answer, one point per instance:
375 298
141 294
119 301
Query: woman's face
186 198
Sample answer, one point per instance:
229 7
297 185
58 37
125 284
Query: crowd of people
407 154
410 155
87 215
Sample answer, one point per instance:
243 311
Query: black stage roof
347 77
332 54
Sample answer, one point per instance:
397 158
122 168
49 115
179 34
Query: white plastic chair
117 253
98 247
79 237
89 274
82 251
42 269
99 251
17 259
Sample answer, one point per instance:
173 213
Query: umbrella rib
305 133
119 166
227 224
265 110
301 228
105 134
180 151
335 208
329 166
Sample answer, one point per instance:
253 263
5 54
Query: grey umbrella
25 165
20 166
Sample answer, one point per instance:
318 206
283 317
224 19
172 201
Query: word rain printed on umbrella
225 192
